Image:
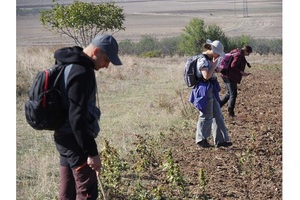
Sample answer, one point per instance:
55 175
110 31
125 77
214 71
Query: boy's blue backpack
45 108
190 71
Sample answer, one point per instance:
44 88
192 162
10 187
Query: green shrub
82 21
195 35
214 32
146 44
128 47
168 46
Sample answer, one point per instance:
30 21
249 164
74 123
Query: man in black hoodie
80 163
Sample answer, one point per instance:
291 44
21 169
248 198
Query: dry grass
137 98
140 97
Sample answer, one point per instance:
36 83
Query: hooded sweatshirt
80 88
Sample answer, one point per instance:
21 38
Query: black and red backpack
45 110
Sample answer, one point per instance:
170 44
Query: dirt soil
252 167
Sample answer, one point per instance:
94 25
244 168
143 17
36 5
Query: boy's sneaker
231 112
203 144
224 144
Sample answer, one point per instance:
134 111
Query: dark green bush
195 35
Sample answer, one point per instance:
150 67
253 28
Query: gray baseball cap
109 45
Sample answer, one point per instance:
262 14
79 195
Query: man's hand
95 163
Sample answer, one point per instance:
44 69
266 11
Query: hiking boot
224 144
203 143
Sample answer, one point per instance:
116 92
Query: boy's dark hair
247 48
206 46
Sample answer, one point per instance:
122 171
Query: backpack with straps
45 109
190 71
226 62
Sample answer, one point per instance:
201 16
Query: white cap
216 46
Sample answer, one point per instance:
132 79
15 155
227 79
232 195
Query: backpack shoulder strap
59 75
66 73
